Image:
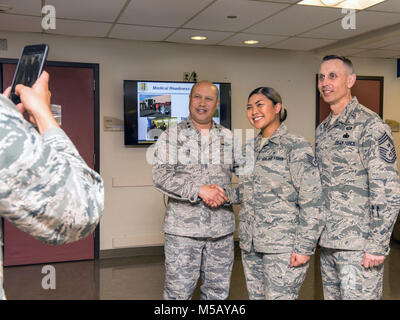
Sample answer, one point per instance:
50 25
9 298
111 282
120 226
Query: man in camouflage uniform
357 161
46 188
189 158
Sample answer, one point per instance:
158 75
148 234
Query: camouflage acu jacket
46 188
357 161
281 198
183 162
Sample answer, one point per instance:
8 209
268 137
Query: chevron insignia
386 149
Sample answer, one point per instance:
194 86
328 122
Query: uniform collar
274 138
346 116
190 125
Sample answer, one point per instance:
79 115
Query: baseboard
132 252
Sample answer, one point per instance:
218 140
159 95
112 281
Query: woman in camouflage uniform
281 217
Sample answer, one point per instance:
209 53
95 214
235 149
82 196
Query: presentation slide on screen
161 104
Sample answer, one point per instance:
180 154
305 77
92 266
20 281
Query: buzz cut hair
347 62
204 81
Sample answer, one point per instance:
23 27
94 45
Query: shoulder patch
312 160
386 148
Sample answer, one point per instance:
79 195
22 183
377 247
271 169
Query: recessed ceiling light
199 38
251 41
5 7
347 4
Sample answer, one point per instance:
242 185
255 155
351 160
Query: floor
142 277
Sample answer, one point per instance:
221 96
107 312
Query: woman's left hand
298 259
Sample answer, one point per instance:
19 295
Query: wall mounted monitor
150 107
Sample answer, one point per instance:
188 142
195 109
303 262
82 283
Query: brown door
73 89
368 90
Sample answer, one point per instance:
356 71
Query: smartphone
29 68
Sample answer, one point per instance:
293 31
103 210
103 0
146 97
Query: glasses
331 76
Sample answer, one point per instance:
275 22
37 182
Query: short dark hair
345 60
204 81
272 95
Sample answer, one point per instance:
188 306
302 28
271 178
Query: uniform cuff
304 250
194 194
53 132
376 250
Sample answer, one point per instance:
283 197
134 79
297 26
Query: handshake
213 195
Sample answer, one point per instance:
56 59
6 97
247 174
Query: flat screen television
150 107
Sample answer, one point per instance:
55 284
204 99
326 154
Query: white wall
133 209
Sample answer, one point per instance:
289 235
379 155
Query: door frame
96 93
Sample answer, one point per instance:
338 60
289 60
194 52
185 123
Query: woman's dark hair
275 98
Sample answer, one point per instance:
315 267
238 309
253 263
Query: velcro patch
386 149
312 160
269 158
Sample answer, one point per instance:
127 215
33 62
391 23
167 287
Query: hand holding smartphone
29 68
35 91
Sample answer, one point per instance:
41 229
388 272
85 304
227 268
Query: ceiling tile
347 52
380 43
237 40
184 36
365 21
94 10
388 6
389 54
295 20
81 28
393 46
171 13
301 44
282 24
247 12
123 31
29 7
12 22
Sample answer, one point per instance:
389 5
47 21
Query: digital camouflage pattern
186 257
46 188
344 278
281 202
183 162
269 276
359 175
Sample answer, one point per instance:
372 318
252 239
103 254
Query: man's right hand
213 195
370 260
36 102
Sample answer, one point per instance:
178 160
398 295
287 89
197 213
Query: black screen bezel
42 49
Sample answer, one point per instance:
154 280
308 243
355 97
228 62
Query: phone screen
30 66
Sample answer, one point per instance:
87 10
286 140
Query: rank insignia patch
386 149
